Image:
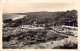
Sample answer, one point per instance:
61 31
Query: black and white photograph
39 25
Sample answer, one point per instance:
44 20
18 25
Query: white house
31 27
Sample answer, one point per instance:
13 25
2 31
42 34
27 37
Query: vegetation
47 18
14 36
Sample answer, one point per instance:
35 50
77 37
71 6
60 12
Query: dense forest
43 17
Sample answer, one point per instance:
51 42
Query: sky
10 6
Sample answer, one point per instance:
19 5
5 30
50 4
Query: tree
8 21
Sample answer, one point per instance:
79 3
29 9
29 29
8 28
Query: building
31 27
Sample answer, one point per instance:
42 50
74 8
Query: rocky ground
16 38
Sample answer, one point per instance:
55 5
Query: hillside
44 17
40 30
